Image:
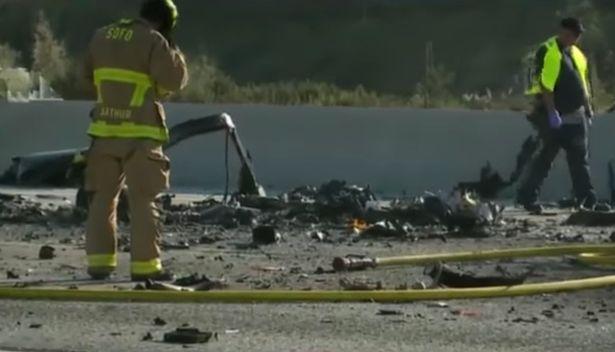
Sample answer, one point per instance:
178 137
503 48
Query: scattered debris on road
266 235
532 320
47 253
360 284
353 263
466 312
444 275
163 286
201 283
386 229
158 321
489 185
11 275
312 219
187 335
389 312
437 305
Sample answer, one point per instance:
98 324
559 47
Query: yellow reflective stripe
102 260
140 80
174 13
127 130
138 97
126 21
147 267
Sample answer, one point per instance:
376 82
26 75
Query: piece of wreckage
461 210
339 202
491 183
65 168
358 207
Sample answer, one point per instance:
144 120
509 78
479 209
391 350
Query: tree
8 56
438 83
49 55
16 80
207 82
436 87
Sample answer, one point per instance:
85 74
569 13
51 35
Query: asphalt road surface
578 322
583 321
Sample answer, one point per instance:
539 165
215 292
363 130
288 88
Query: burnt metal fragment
46 253
188 336
353 263
449 277
265 235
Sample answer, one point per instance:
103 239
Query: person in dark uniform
561 115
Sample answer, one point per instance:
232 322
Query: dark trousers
573 138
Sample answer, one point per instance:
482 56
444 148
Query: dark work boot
534 208
529 203
588 203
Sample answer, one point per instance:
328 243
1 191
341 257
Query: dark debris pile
22 210
337 204
333 204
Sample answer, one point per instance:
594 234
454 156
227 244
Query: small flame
358 225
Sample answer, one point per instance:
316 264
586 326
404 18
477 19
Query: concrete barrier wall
393 150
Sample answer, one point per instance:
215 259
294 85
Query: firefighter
132 64
561 115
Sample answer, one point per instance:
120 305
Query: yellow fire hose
259 296
596 254
554 251
601 259
607 251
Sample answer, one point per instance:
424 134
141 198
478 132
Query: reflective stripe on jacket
130 64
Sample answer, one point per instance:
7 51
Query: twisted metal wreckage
65 168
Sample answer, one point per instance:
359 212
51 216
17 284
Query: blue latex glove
555 120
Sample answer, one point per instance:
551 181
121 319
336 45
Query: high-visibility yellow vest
548 77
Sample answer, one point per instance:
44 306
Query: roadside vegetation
224 69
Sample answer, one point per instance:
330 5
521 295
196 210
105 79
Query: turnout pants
573 138
144 169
